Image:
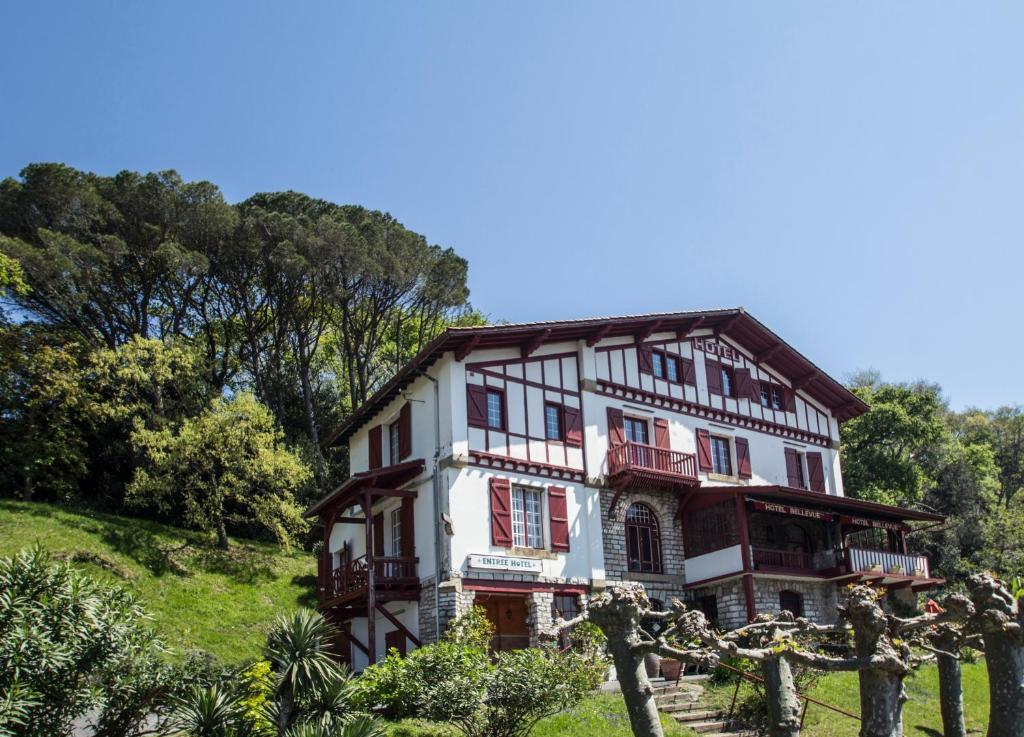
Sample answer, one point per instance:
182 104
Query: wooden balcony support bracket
371 586
350 520
535 342
401 627
467 348
615 503
598 335
373 491
355 641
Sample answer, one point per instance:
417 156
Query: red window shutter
501 512
408 528
644 359
789 400
573 426
405 431
616 428
661 433
714 373
704 450
376 441
559 515
689 372
793 468
743 458
476 405
378 534
815 472
743 382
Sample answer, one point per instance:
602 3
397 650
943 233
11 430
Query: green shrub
389 688
473 629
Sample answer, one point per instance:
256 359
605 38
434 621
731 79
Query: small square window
495 410
553 422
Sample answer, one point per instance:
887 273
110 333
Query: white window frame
522 534
729 452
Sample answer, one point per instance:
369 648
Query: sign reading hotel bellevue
505 563
876 523
794 511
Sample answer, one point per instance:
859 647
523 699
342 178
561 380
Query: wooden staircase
683 700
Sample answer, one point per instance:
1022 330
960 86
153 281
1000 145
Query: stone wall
427 616
820 599
539 615
662 587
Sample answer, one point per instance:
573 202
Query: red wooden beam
598 335
767 353
349 520
355 641
648 330
723 329
467 348
535 342
694 324
395 493
804 380
401 627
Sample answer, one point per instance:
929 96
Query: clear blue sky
851 173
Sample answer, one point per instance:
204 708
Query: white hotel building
521 467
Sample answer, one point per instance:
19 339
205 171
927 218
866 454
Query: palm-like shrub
298 651
210 712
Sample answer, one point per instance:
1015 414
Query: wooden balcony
395 579
768 559
634 465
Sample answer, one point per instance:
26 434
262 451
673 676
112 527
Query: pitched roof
735 323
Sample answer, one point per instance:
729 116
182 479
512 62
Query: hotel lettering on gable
521 468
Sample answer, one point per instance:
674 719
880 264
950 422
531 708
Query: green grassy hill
199 597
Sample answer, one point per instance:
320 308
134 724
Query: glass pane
518 518
494 410
552 423
534 538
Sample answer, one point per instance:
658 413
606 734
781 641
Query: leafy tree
890 453
228 463
44 442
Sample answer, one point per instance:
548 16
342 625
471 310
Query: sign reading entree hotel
504 563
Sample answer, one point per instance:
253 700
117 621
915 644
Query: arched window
791 601
643 539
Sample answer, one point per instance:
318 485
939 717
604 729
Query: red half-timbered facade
521 467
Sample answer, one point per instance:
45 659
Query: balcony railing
390 573
783 559
882 561
651 464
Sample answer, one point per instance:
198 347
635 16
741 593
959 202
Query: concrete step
696 716
679 704
710 725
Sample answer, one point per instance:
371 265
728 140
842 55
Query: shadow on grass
34 510
240 563
309 586
929 731
144 548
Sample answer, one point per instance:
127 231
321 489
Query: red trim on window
743 458
405 432
704 462
573 430
376 441
501 512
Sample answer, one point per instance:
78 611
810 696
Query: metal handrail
758 679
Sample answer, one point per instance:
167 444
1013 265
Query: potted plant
896 569
671 669
876 567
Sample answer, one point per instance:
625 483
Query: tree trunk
636 689
617 613
999 618
951 692
783 702
311 428
881 689
222 535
